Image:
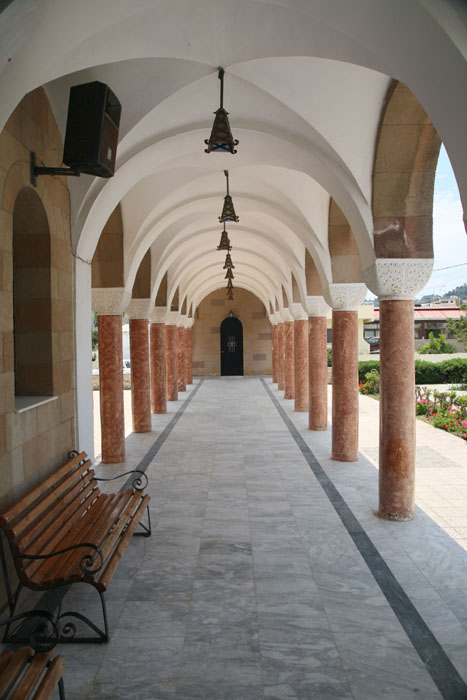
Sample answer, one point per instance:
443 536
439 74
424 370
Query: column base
395 517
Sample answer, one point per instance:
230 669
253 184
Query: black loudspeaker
92 129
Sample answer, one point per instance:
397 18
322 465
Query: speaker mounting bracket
35 170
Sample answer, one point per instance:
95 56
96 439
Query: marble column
109 304
280 351
289 379
158 360
344 299
397 282
189 369
274 330
181 354
171 355
300 327
138 311
317 310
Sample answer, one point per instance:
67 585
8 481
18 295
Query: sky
449 236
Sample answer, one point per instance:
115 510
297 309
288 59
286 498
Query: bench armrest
87 563
139 483
45 635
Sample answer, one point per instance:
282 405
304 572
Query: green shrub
329 357
367 366
446 372
436 346
371 383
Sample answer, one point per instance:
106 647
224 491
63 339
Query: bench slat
111 567
49 569
50 679
55 543
22 505
98 531
60 512
48 501
14 670
31 676
120 525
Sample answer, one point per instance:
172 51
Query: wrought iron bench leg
146 529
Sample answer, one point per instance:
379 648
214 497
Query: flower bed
444 410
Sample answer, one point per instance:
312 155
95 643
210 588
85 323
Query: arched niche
32 306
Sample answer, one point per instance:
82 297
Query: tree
435 346
458 328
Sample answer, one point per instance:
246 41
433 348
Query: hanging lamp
229 274
228 263
225 241
221 139
228 211
230 295
229 284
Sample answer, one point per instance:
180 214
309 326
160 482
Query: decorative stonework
181 321
316 306
172 318
138 308
298 312
110 301
345 296
158 314
286 315
399 279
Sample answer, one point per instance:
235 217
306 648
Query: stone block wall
35 442
257 350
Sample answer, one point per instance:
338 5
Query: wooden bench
67 530
31 673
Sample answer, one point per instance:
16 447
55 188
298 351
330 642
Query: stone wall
35 441
257 351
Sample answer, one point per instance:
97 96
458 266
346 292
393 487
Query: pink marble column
158 369
301 364
344 386
280 355
189 370
111 388
318 373
289 380
274 353
171 366
181 361
140 382
397 411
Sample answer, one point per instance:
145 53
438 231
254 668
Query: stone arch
406 155
32 303
343 249
107 262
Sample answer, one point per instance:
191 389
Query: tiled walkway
268 578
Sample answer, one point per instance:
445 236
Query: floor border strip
159 441
444 674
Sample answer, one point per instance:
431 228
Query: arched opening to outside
32 312
231 347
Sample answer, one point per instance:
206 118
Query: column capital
110 301
298 312
273 319
279 318
158 314
172 318
316 306
139 308
286 315
398 279
345 296
189 322
181 321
